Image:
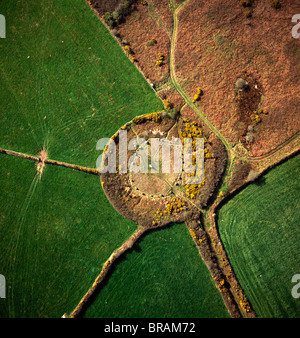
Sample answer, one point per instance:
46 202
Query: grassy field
55 236
260 231
65 83
163 277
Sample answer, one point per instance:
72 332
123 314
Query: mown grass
55 236
65 83
260 231
163 277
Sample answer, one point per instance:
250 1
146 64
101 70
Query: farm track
130 242
231 156
231 151
233 308
38 159
86 299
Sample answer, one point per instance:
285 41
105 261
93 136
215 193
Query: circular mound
151 185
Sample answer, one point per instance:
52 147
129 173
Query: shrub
241 84
256 118
261 111
245 3
199 93
248 14
160 56
116 15
127 48
122 10
275 4
173 113
109 20
196 97
159 62
249 137
152 42
168 105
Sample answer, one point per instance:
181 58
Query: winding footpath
230 296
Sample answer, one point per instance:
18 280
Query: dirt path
207 252
215 255
202 238
41 160
91 293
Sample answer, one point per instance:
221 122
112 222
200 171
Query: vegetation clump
156 117
199 93
275 4
248 14
174 206
152 42
255 117
160 60
117 16
168 105
193 130
241 84
245 3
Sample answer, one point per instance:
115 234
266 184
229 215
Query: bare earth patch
41 164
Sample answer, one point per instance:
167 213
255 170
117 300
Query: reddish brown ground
216 44
173 97
142 25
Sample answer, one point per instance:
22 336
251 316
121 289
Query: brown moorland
143 25
216 44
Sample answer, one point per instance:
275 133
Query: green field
65 83
162 277
55 236
260 231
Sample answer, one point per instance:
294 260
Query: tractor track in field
231 156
